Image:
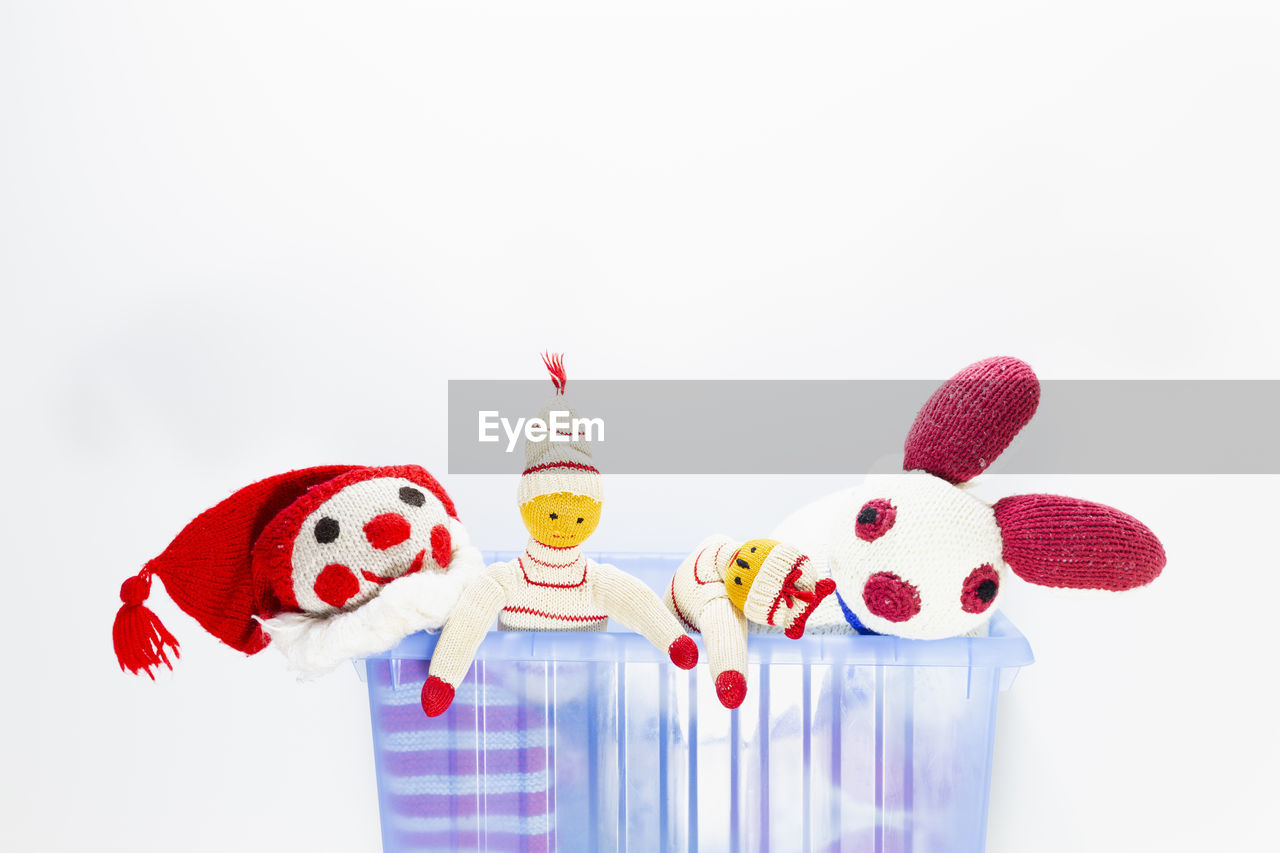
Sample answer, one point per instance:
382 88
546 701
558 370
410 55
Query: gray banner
845 427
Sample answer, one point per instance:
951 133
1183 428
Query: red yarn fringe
138 634
555 366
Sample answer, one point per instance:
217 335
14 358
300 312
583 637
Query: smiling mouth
381 581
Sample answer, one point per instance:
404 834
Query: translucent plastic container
578 741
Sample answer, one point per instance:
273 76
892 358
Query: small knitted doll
326 563
552 586
724 584
917 555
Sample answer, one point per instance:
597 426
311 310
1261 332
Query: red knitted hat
236 561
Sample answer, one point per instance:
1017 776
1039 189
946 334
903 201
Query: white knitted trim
555 480
417 602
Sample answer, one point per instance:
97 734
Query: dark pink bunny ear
971 419
1067 542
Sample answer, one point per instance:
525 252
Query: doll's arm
724 633
628 600
462 634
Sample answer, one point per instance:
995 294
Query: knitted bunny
724 584
916 555
552 586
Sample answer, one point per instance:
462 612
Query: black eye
554 516
753 549
412 496
742 564
874 520
579 521
326 529
737 580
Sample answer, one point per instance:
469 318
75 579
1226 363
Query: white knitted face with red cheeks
918 557
364 537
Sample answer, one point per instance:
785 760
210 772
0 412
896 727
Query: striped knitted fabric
549 589
476 779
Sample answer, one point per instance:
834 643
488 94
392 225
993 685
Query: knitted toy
916 555
552 586
724 584
330 563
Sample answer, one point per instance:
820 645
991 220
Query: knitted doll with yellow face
724 584
552 586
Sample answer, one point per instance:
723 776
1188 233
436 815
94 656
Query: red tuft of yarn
555 366
731 688
138 635
1077 544
437 696
683 652
972 418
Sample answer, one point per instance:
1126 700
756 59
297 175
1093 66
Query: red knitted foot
683 652
437 696
731 687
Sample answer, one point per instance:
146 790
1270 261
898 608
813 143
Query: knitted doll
917 555
328 563
552 586
724 584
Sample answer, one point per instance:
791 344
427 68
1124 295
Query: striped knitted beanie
561 462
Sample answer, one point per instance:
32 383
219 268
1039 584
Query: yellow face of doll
562 520
744 567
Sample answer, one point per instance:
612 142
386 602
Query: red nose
890 597
387 530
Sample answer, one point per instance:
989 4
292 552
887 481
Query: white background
241 237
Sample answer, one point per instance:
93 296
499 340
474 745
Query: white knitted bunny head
921 558
917 556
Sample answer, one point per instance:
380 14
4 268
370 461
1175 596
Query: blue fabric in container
580 741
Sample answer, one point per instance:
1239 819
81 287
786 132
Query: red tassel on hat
555 366
138 634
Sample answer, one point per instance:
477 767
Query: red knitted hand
683 652
731 688
437 696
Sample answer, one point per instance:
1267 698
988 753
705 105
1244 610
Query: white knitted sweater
549 589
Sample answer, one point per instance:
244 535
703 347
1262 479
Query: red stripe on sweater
698 559
553 565
531 582
563 618
676 605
